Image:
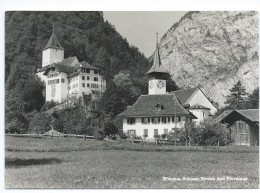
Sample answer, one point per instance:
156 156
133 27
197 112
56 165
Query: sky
140 27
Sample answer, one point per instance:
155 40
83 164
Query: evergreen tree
238 96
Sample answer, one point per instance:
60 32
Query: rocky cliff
213 50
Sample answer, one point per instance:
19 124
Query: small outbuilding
53 133
244 126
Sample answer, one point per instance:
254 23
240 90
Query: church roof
199 106
157 65
53 43
146 106
184 95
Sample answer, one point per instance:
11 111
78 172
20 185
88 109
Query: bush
100 135
122 135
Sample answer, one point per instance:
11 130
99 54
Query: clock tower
157 81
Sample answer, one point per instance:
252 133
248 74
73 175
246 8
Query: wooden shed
244 126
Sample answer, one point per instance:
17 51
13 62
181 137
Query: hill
213 50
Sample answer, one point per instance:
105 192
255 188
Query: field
77 163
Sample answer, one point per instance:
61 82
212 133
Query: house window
95 71
156 120
87 77
88 71
159 107
164 120
57 81
76 85
145 132
131 132
130 121
165 131
203 114
169 119
155 133
62 80
173 119
179 119
83 84
83 77
145 120
87 84
95 78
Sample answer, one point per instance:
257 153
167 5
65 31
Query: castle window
88 71
83 77
87 77
95 71
87 84
95 78
83 84
62 80
57 81
130 121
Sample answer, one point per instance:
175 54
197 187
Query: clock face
160 84
151 85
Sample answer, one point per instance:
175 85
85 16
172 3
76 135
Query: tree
253 100
238 96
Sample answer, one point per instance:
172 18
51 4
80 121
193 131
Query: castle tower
157 81
53 52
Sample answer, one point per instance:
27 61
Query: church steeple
157 82
157 65
53 52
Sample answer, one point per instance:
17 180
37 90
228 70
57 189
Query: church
160 112
68 77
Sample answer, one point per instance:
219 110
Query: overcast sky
139 27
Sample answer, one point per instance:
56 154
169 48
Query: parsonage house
159 112
67 77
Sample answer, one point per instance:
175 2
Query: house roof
157 65
198 106
222 115
146 106
248 115
53 43
184 95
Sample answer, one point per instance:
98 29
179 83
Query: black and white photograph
130 99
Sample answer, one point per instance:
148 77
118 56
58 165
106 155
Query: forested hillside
82 34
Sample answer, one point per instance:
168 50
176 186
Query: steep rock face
213 50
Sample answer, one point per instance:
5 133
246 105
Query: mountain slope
213 50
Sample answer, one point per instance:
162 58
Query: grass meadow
76 163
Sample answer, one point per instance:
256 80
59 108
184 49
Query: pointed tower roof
53 42
157 65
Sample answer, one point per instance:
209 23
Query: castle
67 77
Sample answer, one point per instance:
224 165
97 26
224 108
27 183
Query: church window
145 120
95 78
83 77
62 80
83 84
130 121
